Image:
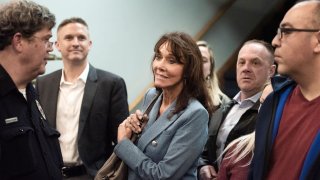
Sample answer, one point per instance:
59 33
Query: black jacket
29 147
104 106
245 126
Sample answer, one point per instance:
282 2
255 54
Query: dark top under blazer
104 107
244 126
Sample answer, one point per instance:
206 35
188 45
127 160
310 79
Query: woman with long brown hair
174 137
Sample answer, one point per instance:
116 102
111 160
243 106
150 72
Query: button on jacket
168 148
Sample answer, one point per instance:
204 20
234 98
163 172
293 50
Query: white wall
124 31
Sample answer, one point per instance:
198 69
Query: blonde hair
215 91
243 146
212 80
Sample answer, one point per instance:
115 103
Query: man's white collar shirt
68 113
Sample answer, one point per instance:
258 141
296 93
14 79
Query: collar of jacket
281 82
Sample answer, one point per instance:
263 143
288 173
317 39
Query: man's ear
317 47
56 43
272 70
17 42
90 44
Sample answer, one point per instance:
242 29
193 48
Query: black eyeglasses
282 30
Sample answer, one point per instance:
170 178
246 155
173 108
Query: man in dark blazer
254 69
85 104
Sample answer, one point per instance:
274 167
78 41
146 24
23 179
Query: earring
185 80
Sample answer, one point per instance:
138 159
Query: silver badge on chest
40 109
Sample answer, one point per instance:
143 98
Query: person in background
238 154
84 103
29 147
237 118
218 97
173 139
287 132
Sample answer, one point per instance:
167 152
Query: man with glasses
85 104
288 126
29 147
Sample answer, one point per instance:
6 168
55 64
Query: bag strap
144 118
149 107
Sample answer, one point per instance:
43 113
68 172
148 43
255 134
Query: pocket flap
49 131
12 132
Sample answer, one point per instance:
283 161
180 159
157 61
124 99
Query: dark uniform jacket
29 147
245 126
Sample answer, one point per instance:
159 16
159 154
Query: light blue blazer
167 148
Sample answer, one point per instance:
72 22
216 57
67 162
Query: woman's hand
130 125
207 172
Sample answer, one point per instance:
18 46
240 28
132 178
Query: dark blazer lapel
218 117
88 96
156 127
215 122
53 98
